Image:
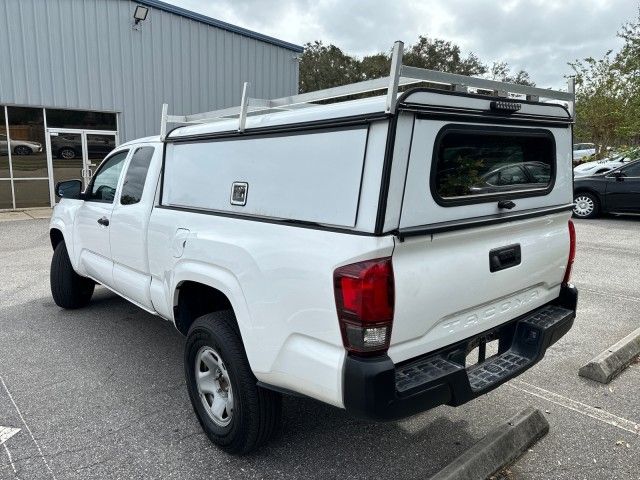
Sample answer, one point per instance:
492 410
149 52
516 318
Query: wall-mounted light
140 14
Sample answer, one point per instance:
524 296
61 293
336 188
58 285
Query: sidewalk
25 214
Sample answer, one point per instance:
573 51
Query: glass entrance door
77 153
98 146
67 154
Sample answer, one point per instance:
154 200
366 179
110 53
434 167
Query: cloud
540 36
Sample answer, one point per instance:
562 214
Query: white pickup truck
362 253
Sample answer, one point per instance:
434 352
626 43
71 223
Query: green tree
501 72
375 66
608 93
444 56
628 58
323 66
628 66
326 66
601 102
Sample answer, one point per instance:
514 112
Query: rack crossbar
433 76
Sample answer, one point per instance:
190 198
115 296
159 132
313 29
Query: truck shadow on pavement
112 378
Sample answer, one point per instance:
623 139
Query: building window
24 160
27 143
6 202
6 195
31 193
5 171
81 119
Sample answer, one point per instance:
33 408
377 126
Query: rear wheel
67 153
22 150
235 413
586 205
69 290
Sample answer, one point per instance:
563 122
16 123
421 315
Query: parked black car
69 146
617 191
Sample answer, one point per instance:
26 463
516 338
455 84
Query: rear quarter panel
279 280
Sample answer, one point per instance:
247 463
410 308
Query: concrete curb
499 448
30 214
13 216
606 366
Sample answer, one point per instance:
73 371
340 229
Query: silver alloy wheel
214 386
583 206
67 153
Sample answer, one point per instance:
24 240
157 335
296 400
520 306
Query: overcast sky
540 36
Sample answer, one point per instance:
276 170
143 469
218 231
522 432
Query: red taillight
572 253
365 298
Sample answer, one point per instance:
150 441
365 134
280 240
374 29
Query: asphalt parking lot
99 392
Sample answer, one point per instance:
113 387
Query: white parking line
10 458
607 294
28 429
582 408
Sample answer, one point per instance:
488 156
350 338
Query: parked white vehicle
18 147
343 252
599 166
581 150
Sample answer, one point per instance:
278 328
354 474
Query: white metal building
78 77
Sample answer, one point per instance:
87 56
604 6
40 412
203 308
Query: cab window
105 181
136 176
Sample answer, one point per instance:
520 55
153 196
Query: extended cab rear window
475 164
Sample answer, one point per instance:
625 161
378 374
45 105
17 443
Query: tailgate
446 292
483 230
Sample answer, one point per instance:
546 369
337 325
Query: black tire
22 150
67 153
256 412
586 205
69 290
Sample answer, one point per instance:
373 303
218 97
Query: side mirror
619 176
69 189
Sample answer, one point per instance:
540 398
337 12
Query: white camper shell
353 252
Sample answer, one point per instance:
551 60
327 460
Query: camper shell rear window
473 164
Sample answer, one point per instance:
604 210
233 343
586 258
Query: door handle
505 257
506 204
104 221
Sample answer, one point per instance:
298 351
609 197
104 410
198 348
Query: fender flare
57 223
226 282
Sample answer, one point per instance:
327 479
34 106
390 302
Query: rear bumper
375 388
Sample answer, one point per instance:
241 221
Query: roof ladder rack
399 75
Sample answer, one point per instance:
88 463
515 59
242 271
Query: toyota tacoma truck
383 255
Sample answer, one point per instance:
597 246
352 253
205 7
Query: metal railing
400 75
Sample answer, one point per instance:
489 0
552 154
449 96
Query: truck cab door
623 189
129 224
93 220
